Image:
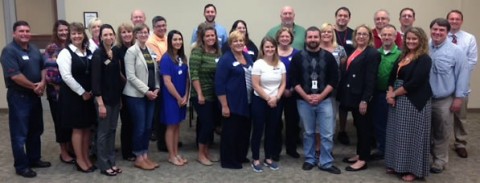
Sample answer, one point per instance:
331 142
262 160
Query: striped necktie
454 39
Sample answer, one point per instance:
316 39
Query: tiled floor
459 170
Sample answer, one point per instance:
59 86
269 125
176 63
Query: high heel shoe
351 169
80 169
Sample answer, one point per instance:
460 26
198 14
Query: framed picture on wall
88 16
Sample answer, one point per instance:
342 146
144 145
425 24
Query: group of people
410 92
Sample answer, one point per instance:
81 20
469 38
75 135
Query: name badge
89 57
349 42
216 60
180 72
236 63
25 57
289 58
107 62
154 56
335 54
251 52
314 85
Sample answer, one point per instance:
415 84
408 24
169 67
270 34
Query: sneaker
257 168
272 166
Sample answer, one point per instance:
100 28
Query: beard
313 45
210 21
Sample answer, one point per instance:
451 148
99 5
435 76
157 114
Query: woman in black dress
77 110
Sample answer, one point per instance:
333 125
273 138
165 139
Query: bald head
138 17
287 15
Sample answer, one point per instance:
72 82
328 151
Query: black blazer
416 80
358 82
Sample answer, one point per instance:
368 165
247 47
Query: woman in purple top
63 135
284 38
175 90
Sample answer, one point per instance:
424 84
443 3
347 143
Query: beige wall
39 14
262 15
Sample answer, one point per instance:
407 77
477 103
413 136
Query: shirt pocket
443 65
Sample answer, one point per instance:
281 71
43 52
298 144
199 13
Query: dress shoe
347 160
332 169
40 164
307 166
293 154
436 170
72 161
343 138
27 173
377 156
350 169
461 152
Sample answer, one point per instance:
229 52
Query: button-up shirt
386 65
449 74
158 45
468 44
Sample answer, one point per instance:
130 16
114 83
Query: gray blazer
136 71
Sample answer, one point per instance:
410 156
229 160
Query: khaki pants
442 128
459 125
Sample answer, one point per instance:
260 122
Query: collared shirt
222 34
298 35
468 44
64 62
386 65
449 74
158 45
16 60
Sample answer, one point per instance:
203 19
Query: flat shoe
408 177
350 169
347 160
116 169
205 162
181 158
109 172
72 161
143 166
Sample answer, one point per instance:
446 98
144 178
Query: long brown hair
422 43
275 58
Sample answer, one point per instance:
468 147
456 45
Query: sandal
182 159
116 169
176 161
109 172
408 177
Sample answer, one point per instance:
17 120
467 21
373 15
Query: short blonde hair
235 35
95 21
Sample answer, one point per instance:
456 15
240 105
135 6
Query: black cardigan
415 78
106 80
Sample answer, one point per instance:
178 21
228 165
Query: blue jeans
379 118
141 113
320 115
26 126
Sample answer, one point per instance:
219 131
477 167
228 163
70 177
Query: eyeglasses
142 33
360 34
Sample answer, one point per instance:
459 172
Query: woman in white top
268 80
75 97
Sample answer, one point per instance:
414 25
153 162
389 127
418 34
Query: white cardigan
136 71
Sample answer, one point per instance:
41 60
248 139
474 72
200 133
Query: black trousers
365 130
235 141
126 133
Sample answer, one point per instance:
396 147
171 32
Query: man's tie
454 39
